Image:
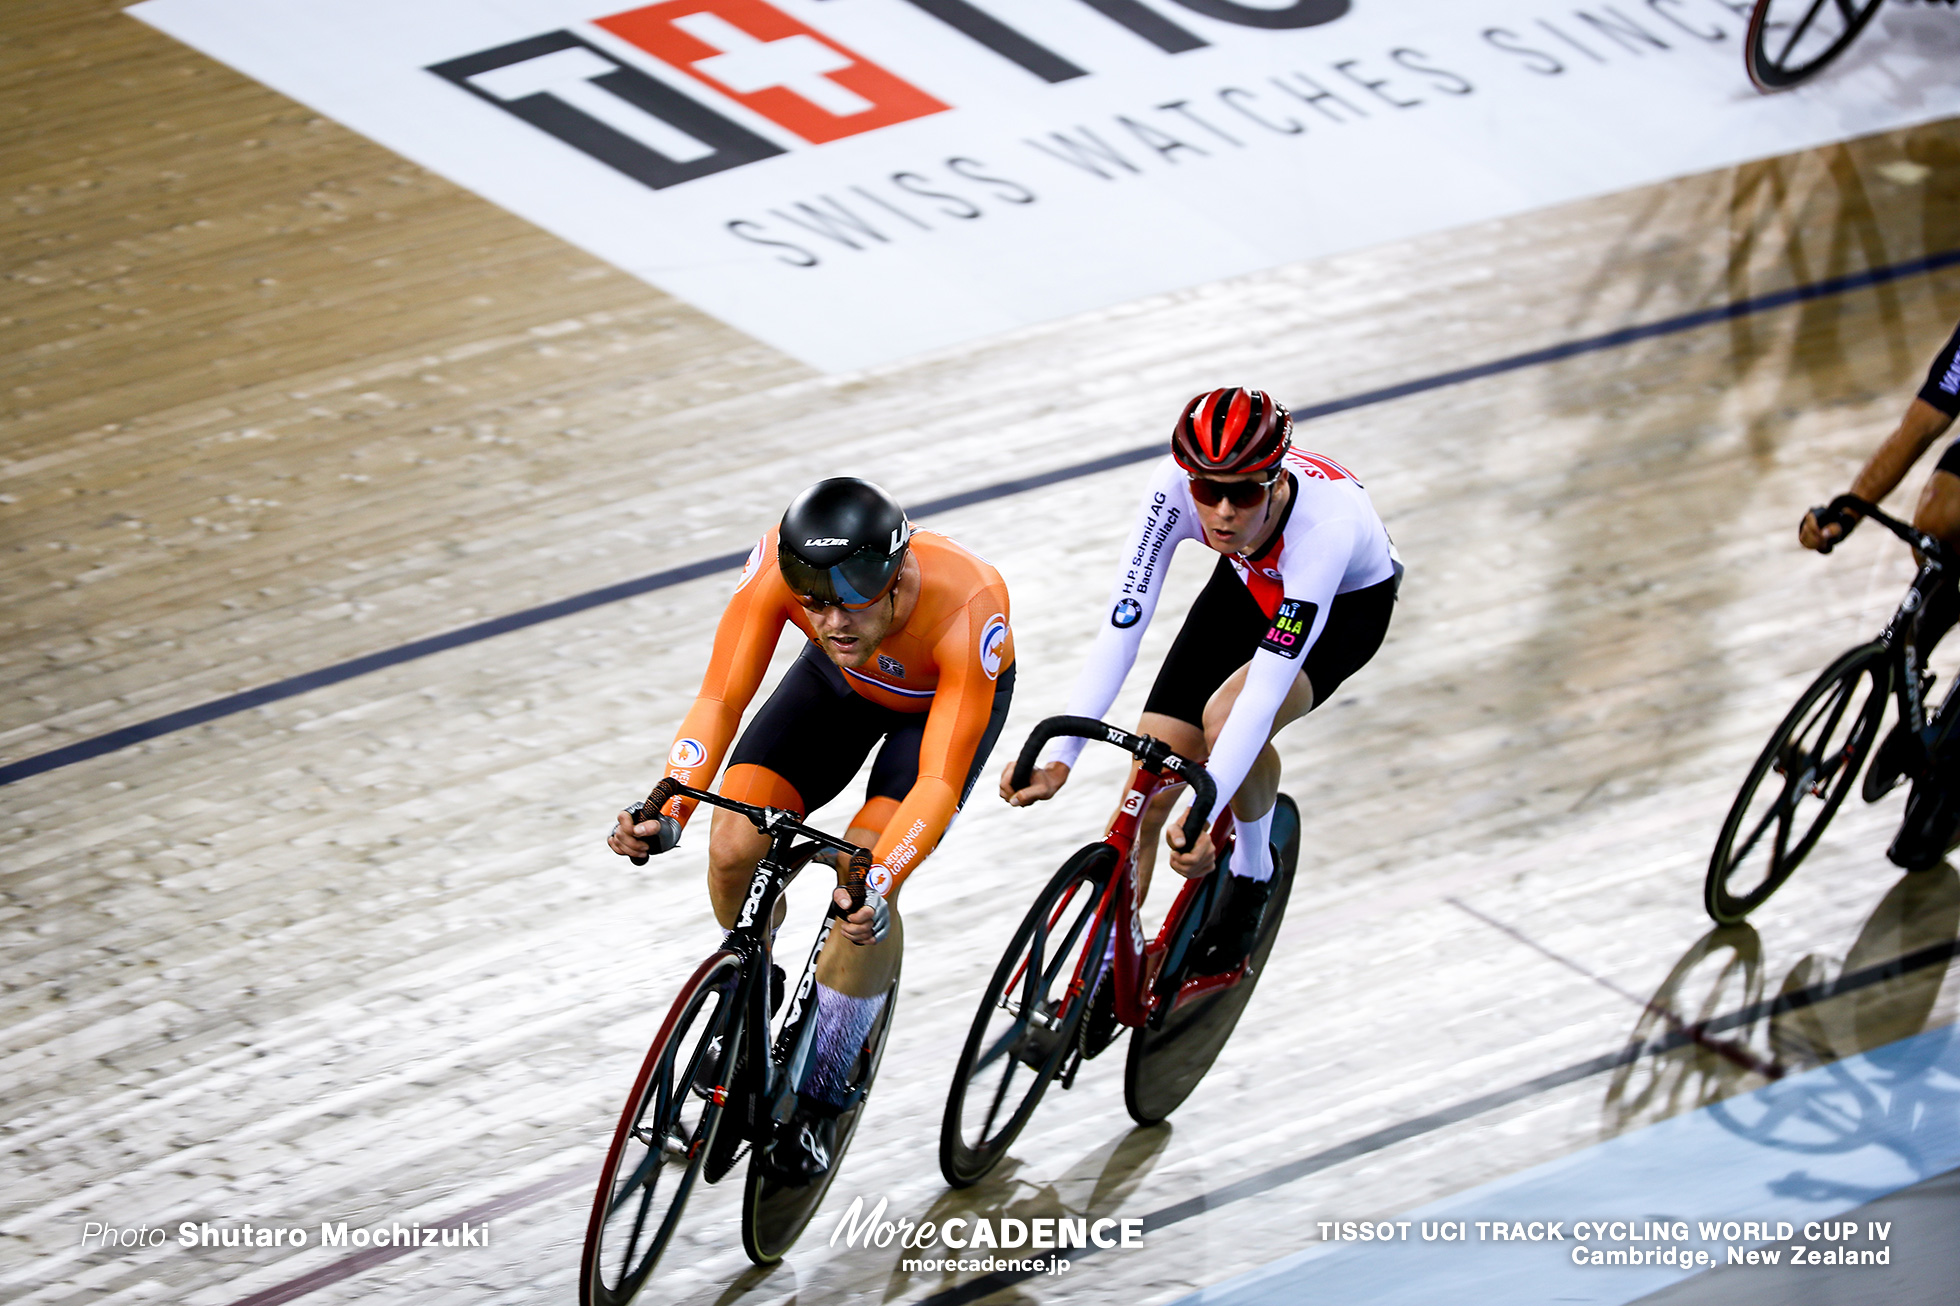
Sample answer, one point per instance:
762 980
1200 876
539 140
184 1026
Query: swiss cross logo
754 54
762 58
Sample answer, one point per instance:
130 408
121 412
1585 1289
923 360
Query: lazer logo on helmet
823 543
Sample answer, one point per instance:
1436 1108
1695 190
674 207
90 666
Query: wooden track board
275 399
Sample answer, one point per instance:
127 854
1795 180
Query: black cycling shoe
804 1150
1233 930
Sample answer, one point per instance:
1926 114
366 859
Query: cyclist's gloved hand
638 838
869 924
1816 530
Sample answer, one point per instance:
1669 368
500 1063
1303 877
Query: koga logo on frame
753 54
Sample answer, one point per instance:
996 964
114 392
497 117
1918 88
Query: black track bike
715 1084
1806 771
1790 41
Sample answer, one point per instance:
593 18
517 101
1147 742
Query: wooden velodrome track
276 399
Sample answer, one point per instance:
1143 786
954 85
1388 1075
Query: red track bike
1037 1021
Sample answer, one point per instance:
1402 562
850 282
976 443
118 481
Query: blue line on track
171 722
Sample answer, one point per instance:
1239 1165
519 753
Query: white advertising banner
854 181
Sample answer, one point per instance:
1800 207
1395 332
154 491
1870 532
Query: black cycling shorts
1224 628
815 732
1942 388
1950 460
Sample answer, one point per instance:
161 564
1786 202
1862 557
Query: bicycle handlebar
770 821
1151 752
1918 539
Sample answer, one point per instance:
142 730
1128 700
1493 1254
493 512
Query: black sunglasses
1243 494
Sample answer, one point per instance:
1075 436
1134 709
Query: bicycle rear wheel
1166 1061
1028 1018
1815 753
662 1135
774 1213
1790 41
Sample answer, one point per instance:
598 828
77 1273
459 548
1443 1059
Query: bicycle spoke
1000 1047
1803 25
1000 1095
1778 812
639 1226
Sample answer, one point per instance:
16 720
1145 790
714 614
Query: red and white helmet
1228 432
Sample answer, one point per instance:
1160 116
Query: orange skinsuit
962 601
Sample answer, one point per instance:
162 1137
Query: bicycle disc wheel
1028 1018
1790 41
775 1213
662 1136
1166 1061
1814 754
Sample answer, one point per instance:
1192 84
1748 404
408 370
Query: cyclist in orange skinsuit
909 644
931 665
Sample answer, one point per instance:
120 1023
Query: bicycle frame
1897 635
1139 962
774 1098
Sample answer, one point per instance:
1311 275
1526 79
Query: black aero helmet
842 541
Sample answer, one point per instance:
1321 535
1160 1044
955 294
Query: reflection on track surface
1845 1083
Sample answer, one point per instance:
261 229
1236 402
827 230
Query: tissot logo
776 66
761 58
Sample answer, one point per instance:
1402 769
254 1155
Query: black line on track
171 722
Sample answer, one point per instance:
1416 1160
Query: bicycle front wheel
1028 1018
1790 41
1798 783
1168 1059
663 1134
774 1213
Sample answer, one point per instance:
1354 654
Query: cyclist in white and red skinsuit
1300 599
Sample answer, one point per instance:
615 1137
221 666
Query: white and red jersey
1330 541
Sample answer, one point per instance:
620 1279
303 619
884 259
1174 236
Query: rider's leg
1938 514
735 846
865 972
1252 804
1183 738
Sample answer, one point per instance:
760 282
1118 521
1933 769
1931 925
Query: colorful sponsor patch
891 666
1125 614
993 645
878 879
688 753
1287 636
753 565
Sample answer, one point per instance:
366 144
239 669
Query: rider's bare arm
1917 430
744 641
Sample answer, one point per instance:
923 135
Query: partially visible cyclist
1926 419
909 644
1299 600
